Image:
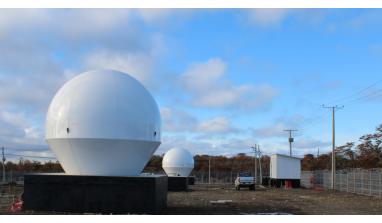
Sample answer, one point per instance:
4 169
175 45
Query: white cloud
41 49
17 129
87 22
278 127
33 68
179 121
29 76
232 146
161 16
367 17
201 76
195 147
174 120
151 16
276 130
21 19
267 17
138 65
73 23
208 88
274 17
216 125
228 147
310 144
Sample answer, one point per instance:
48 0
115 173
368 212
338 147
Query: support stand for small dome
178 164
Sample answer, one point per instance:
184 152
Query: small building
285 171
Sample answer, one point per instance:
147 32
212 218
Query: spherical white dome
178 162
103 122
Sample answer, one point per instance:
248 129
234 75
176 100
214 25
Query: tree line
33 166
202 163
366 154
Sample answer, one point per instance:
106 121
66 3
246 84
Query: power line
346 98
371 95
367 93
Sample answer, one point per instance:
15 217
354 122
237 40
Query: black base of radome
266 181
95 194
177 183
281 182
191 180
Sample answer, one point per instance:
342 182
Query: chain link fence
216 177
358 181
12 177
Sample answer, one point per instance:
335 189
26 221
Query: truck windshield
244 175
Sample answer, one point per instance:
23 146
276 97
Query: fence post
380 189
347 181
370 183
342 182
354 183
361 182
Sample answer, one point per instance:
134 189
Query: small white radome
103 123
178 162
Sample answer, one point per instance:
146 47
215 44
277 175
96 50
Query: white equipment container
285 167
103 123
178 162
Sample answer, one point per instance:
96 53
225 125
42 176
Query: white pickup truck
245 180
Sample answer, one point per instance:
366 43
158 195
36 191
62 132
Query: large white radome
178 162
103 123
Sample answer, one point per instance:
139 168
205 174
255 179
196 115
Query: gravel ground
205 200
267 201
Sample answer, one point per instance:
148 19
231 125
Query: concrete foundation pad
95 194
177 183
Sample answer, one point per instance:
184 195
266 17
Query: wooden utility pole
333 108
254 149
209 169
3 162
261 171
318 152
290 139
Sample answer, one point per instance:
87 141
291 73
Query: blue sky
224 79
